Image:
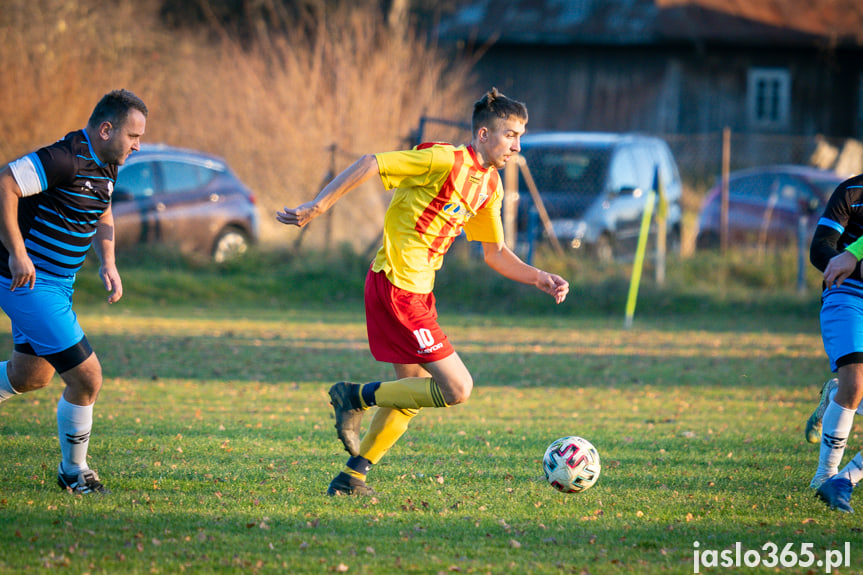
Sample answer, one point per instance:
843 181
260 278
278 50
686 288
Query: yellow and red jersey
440 190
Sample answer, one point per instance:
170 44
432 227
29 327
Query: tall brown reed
283 110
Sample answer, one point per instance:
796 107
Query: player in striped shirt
54 204
836 250
440 191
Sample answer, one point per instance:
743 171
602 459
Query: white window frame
768 98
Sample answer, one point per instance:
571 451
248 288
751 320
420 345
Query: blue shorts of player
842 324
43 322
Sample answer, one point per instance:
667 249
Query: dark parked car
594 187
183 198
765 205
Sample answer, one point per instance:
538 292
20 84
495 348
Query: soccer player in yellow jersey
440 190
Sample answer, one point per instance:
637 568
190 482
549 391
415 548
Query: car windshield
571 170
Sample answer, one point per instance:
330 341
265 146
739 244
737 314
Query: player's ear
105 129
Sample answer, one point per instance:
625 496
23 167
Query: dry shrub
283 110
57 59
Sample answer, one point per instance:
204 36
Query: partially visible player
440 190
54 204
835 253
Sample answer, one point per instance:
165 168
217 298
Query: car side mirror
809 205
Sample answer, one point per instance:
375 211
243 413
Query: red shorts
402 325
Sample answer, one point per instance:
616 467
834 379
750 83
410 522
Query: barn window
768 98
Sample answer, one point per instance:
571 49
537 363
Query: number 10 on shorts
424 337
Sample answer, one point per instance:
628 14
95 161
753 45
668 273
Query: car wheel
603 249
230 244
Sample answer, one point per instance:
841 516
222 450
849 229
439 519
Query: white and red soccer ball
571 464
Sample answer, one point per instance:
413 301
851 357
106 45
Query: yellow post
661 227
639 258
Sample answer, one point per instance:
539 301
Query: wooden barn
783 67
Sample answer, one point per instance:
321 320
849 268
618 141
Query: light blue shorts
842 327
43 316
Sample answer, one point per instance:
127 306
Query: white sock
6 389
854 470
74 423
836 426
833 393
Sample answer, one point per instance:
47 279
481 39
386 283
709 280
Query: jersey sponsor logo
110 188
431 349
452 208
475 179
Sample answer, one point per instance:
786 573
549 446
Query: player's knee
81 372
84 381
29 375
31 382
459 392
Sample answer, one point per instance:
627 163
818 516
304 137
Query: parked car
765 205
594 187
183 198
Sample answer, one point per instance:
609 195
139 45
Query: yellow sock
410 393
387 426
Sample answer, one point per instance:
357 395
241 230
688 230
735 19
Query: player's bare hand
553 285
23 272
839 268
111 280
299 216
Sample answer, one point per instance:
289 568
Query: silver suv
594 187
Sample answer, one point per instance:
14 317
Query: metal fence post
532 233
802 227
726 168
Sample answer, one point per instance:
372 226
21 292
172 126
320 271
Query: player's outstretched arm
502 260
355 175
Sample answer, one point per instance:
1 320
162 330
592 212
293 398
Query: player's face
120 141
498 143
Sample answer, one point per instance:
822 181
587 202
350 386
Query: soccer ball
571 464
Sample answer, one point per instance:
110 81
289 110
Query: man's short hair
494 106
114 107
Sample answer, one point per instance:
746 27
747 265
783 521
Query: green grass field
214 433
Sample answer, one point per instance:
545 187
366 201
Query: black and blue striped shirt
839 226
65 189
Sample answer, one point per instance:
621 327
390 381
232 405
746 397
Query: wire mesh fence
700 156
569 180
699 159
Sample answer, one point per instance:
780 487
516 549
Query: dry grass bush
283 110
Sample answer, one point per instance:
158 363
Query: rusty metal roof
645 22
